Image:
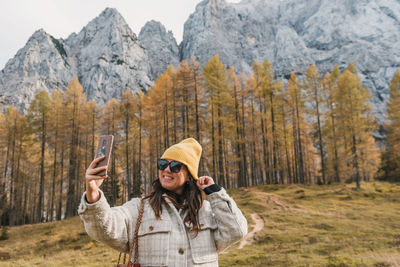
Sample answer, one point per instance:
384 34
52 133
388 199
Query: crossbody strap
135 242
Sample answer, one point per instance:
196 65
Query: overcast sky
19 19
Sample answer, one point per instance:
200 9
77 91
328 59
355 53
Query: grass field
333 226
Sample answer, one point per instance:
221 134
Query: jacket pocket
153 241
203 245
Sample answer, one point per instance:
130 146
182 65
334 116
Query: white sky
19 19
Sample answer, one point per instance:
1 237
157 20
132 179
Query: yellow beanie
188 152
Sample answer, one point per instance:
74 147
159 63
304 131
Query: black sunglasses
174 166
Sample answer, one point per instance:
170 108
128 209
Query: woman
178 227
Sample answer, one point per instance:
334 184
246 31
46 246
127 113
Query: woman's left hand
204 181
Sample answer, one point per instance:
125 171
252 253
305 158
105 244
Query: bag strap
135 238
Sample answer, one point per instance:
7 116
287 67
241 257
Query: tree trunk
70 209
59 211
54 174
220 149
321 145
336 159
40 207
128 177
274 144
267 169
214 153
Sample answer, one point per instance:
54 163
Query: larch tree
151 127
330 125
391 163
56 129
195 73
313 87
355 115
236 89
255 161
262 82
137 146
75 101
279 133
303 152
109 126
286 139
216 83
12 185
127 111
39 117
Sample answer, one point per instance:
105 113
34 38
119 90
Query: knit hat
188 152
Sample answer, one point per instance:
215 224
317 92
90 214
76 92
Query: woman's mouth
169 178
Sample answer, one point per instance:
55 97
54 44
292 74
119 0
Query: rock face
161 47
41 64
106 56
293 34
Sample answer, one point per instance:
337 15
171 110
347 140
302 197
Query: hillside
331 225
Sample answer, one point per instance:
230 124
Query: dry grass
333 226
329 226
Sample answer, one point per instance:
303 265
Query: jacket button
151 228
181 251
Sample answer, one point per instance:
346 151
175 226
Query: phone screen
104 148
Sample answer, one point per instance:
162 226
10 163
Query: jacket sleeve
112 226
232 225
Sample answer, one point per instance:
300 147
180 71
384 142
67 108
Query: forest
255 129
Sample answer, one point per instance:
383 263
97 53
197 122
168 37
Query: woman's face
173 181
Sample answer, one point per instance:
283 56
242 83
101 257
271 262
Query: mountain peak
109 16
110 13
108 27
210 3
153 26
39 35
161 47
41 31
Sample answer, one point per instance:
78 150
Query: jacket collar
173 208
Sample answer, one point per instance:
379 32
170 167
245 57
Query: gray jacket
167 242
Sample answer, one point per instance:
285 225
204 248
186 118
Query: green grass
332 226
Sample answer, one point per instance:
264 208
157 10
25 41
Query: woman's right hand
94 181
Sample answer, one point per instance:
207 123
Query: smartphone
104 148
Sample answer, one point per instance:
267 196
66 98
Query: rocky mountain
162 49
41 64
108 58
293 34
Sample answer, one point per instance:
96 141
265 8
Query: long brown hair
192 200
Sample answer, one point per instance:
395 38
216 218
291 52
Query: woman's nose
167 169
